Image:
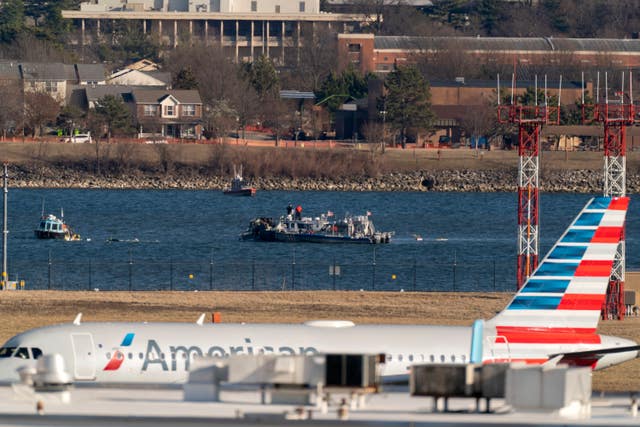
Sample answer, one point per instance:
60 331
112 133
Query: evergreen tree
336 89
185 79
263 77
11 20
489 12
114 114
407 101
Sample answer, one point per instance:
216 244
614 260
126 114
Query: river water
188 240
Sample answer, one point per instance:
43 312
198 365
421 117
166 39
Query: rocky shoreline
580 181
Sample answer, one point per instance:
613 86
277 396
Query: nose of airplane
9 369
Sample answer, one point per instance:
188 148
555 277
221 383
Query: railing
250 275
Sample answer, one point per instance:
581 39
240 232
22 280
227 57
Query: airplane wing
587 357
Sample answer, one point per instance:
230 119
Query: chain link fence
250 275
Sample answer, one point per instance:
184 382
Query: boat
52 227
322 229
238 186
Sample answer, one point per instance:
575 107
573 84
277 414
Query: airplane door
84 357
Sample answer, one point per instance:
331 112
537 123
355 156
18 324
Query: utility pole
5 231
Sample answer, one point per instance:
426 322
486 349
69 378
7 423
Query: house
9 73
144 65
51 78
91 74
133 77
171 113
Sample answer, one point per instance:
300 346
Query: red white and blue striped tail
566 292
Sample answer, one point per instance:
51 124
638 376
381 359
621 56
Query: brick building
379 54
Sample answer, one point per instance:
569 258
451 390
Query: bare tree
28 48
216 74
11 110
40 109
317 59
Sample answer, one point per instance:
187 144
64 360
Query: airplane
551 319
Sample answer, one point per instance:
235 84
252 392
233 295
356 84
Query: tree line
236 95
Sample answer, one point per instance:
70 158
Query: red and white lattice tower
529 119
616 115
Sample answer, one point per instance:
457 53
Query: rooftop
531 44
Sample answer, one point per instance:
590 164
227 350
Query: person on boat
298 212
289 209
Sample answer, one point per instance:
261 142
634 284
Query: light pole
5 230
384 127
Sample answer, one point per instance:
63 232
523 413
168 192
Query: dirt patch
29 309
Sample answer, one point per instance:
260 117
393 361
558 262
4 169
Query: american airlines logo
180 356
118 357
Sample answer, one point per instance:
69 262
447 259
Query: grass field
265 159
22 310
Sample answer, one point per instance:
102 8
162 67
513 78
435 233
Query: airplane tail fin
566 292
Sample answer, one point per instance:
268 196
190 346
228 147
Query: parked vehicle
79 138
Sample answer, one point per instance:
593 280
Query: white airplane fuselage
162 352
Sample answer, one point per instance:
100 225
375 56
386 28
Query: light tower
615 114
529 119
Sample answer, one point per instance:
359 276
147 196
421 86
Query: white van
79 138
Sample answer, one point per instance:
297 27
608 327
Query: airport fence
249 275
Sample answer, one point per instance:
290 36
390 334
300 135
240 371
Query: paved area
124 406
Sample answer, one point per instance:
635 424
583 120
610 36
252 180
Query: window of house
354 47
189 110
254 6
301 6
169 110
51 87
150 110
277 8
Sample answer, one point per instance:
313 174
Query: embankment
192 166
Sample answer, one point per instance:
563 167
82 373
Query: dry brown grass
29 309
291 162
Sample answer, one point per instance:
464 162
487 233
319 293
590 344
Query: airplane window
130 355
464 358
399 358
411 358
7 351
442 358
141 356
99 345
432 359
36 352
108 355
422 357
22 353
389 357
453 358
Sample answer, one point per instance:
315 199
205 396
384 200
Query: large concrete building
245 28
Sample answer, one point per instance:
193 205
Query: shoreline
210 167
424 180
